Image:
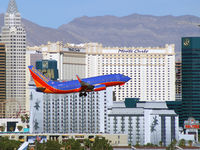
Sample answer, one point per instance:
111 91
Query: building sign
132 51
74 49
191 123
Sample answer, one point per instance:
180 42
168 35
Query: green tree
190 143
182 143
49 145
161 143
25 119
137 144
52 145
39 146
101 144
19 128
174 142
12 129
2 128
6 144
72 144
87 143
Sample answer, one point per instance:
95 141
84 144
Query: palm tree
6 144
19 128
182 143
190 143
2 128
87 143
12 129
25 119
72 144
101 144
161 143
52 145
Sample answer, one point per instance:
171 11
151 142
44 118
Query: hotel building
152 70
145 122
13 35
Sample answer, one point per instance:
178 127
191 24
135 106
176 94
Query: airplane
83 86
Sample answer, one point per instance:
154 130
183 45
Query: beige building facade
152 70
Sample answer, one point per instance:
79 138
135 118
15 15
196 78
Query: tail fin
38 77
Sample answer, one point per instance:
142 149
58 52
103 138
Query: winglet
78 78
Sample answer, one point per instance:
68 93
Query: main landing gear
82 94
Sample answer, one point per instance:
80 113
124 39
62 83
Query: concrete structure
147 122
152 69
14 36
2 80
115 139
67 113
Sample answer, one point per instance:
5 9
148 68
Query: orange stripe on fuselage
50 89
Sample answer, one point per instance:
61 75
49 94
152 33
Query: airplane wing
85 86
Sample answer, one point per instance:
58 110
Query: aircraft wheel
80 94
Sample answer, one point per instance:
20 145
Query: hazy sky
53 13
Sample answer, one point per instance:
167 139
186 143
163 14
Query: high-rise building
14 36
152 70
190 78
2 80
178 80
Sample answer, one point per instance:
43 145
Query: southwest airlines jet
83 86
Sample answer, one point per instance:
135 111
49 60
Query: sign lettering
133 51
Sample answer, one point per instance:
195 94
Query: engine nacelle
40 89
99 87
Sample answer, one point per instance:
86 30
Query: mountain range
133 30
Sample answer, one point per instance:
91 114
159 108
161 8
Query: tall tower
2 80
13 36
190 78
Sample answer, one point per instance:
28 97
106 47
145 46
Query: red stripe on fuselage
113 83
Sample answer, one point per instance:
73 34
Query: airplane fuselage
97 83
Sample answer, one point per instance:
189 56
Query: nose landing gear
82 94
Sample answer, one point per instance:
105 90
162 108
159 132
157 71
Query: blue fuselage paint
75 84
